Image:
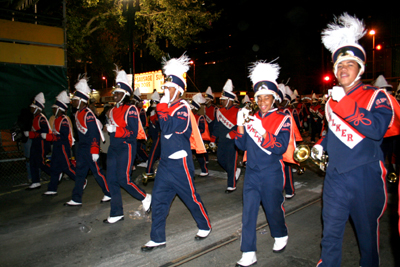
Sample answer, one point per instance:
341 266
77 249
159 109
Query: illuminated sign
148 81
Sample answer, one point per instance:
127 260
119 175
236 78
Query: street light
104 78
372 32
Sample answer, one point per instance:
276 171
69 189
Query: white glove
165 98
316 152
111 128
26 133
43 135
257 125
95 157
211 145
337 93
305 125
241 116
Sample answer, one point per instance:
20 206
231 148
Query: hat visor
267 92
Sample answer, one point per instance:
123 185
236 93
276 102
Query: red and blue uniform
295 136
355 182
225 130
154 133
62 139
265 176
205 135
39 148
210 115
141 146
89 133
121 155
176 169
317 115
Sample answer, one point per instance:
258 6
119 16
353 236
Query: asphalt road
39 231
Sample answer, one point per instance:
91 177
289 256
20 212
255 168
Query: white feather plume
82 84
345 30
63 97
262 71
176 66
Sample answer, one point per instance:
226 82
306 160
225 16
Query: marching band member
358 116
141 146
63 140
197 101
39 148
179 134
88 147
225 132
265 138
154 133
210 109
316 118
124 127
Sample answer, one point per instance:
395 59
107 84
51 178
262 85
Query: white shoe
105 199
60 176
149 246
238 171
146 202
114 219
280 243
288 196
34 186
143 164
201 234
50 193
204 174
248 259
85 184
72 203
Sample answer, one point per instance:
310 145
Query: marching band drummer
124 128
358 117
266 139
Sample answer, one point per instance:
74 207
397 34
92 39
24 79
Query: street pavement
37 230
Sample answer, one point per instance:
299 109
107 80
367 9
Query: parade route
39 231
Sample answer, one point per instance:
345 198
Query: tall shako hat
246 99
314 98
82 92
155 97
288 93
227 91
341 39
123 82
263 76
197 100
174 70
382 83
62 101
38 101
281 91
136 95
209 93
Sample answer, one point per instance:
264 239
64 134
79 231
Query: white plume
176 66
262 71
345 30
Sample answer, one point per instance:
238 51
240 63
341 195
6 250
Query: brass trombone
211 148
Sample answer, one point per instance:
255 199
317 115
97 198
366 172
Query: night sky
252 30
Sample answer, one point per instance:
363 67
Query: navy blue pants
262 187
120 159
154 155
141 150
227 157
289 187
37 160
360 194
84 162
175 177
202 159
60 163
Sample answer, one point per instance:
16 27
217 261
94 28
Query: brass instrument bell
301 153
392 177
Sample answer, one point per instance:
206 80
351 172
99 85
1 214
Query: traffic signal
378 47
327 78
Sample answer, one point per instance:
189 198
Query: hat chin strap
122 98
